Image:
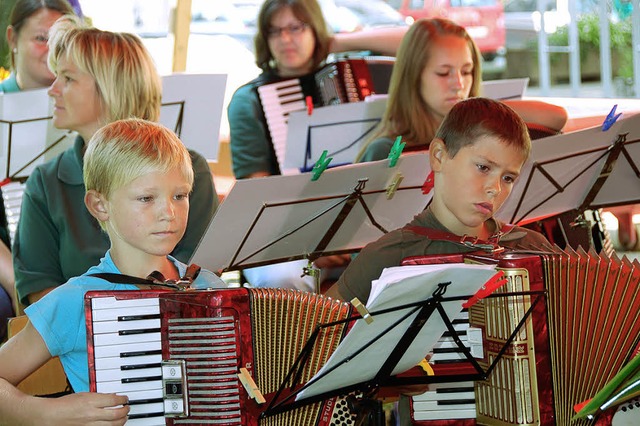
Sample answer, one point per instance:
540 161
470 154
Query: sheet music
26 132
366 347
203 98
340 129
508 88
277 218
562 169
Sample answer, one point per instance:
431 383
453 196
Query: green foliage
5 10
589 39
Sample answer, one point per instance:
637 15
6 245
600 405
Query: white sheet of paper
339 129
574 162
25 126
277 217
397 286
203 97
508 88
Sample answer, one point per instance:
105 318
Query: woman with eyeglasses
292 41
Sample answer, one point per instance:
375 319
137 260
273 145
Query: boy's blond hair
126 78
127 149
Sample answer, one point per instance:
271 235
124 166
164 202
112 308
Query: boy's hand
87 408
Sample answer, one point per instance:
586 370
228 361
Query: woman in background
27 35
437 66
101 77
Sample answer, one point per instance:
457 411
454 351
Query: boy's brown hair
473 118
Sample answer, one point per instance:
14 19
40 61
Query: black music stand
283 218
27 137
577 171
338 129
397 339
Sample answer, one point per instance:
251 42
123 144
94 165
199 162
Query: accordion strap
491 245
153 279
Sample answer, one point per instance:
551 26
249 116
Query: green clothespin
395 152
320 165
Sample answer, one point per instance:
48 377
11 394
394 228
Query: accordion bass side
574 340
181 357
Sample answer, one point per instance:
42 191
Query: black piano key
138 331
146 415
145 401
138 317
455 390
140 366
446 350
457 402
141 379
140 353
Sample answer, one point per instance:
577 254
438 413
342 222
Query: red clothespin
309 101
494 283
427 186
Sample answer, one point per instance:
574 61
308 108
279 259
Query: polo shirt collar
71 163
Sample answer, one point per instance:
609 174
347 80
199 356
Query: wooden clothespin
250 386
320 166
362 310
396 150
394 185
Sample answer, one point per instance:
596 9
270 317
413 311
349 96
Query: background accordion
568 349
342 81
212 334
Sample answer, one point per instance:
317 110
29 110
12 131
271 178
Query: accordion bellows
567 354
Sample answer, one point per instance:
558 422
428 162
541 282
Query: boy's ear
96 204
437 151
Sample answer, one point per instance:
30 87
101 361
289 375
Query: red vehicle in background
483 20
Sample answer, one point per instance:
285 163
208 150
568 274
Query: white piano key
116 351
110 375
431 396
110 302
435 358
445 414
437 406
113 314
113 339
152 421
117 362
155 407
144 395
117 386
103 327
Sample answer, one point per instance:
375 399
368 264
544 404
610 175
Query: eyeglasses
292 30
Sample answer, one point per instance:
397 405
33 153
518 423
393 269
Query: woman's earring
15 50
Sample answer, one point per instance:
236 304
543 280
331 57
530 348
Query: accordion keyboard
12 197
456 400
278 101
127 352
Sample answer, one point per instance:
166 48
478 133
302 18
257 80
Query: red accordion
583 333
177 355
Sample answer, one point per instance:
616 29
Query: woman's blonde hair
126 78
125 150
406 113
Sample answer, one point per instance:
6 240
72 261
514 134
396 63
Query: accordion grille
208 345
282 322
506 394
